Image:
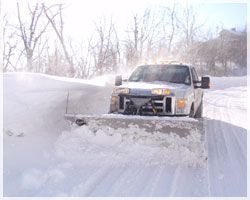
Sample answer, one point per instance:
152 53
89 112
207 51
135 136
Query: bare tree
240 53
32 33
189 26
59 30
39 60
222 54
142 36
232 49
56 63
105 52
10 43
84 61
169 27
150 35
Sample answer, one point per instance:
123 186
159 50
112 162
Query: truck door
197 90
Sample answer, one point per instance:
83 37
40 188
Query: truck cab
171 89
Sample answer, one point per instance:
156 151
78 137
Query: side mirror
197 84
205 82
118 80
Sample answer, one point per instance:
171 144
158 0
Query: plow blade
182 139
139 125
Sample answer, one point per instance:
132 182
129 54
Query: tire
199 111
191 113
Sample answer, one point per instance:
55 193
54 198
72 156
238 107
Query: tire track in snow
235 140
124 185
116 187
211 138
239 141
175 182
217 138
207 166
236 151
214 163
134 173
155 182
110 180
86 187
222 143
97 182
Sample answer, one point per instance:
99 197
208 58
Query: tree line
171 33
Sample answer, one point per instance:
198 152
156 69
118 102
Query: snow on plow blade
138 126
181 137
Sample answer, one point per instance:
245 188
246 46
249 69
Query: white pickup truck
171 89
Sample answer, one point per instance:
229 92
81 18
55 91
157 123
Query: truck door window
194 75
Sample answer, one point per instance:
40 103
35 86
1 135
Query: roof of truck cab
166 64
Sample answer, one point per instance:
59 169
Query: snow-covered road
43 157
226 131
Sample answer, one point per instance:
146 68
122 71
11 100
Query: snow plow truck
162 99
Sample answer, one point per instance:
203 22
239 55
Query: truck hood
153 85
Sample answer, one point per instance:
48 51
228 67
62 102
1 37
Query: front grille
168 105
158 104
121 103
162 105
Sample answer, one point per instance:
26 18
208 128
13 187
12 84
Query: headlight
121 90
157 91
161 91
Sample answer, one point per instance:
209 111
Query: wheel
199 111
191 113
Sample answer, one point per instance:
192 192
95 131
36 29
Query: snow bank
219 83
33 118
35 102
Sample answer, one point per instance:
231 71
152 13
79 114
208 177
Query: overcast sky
80 14
230 15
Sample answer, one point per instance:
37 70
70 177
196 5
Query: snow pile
35 102
164 149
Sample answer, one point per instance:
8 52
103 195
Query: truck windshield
165 73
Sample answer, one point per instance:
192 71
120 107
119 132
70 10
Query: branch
22 29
